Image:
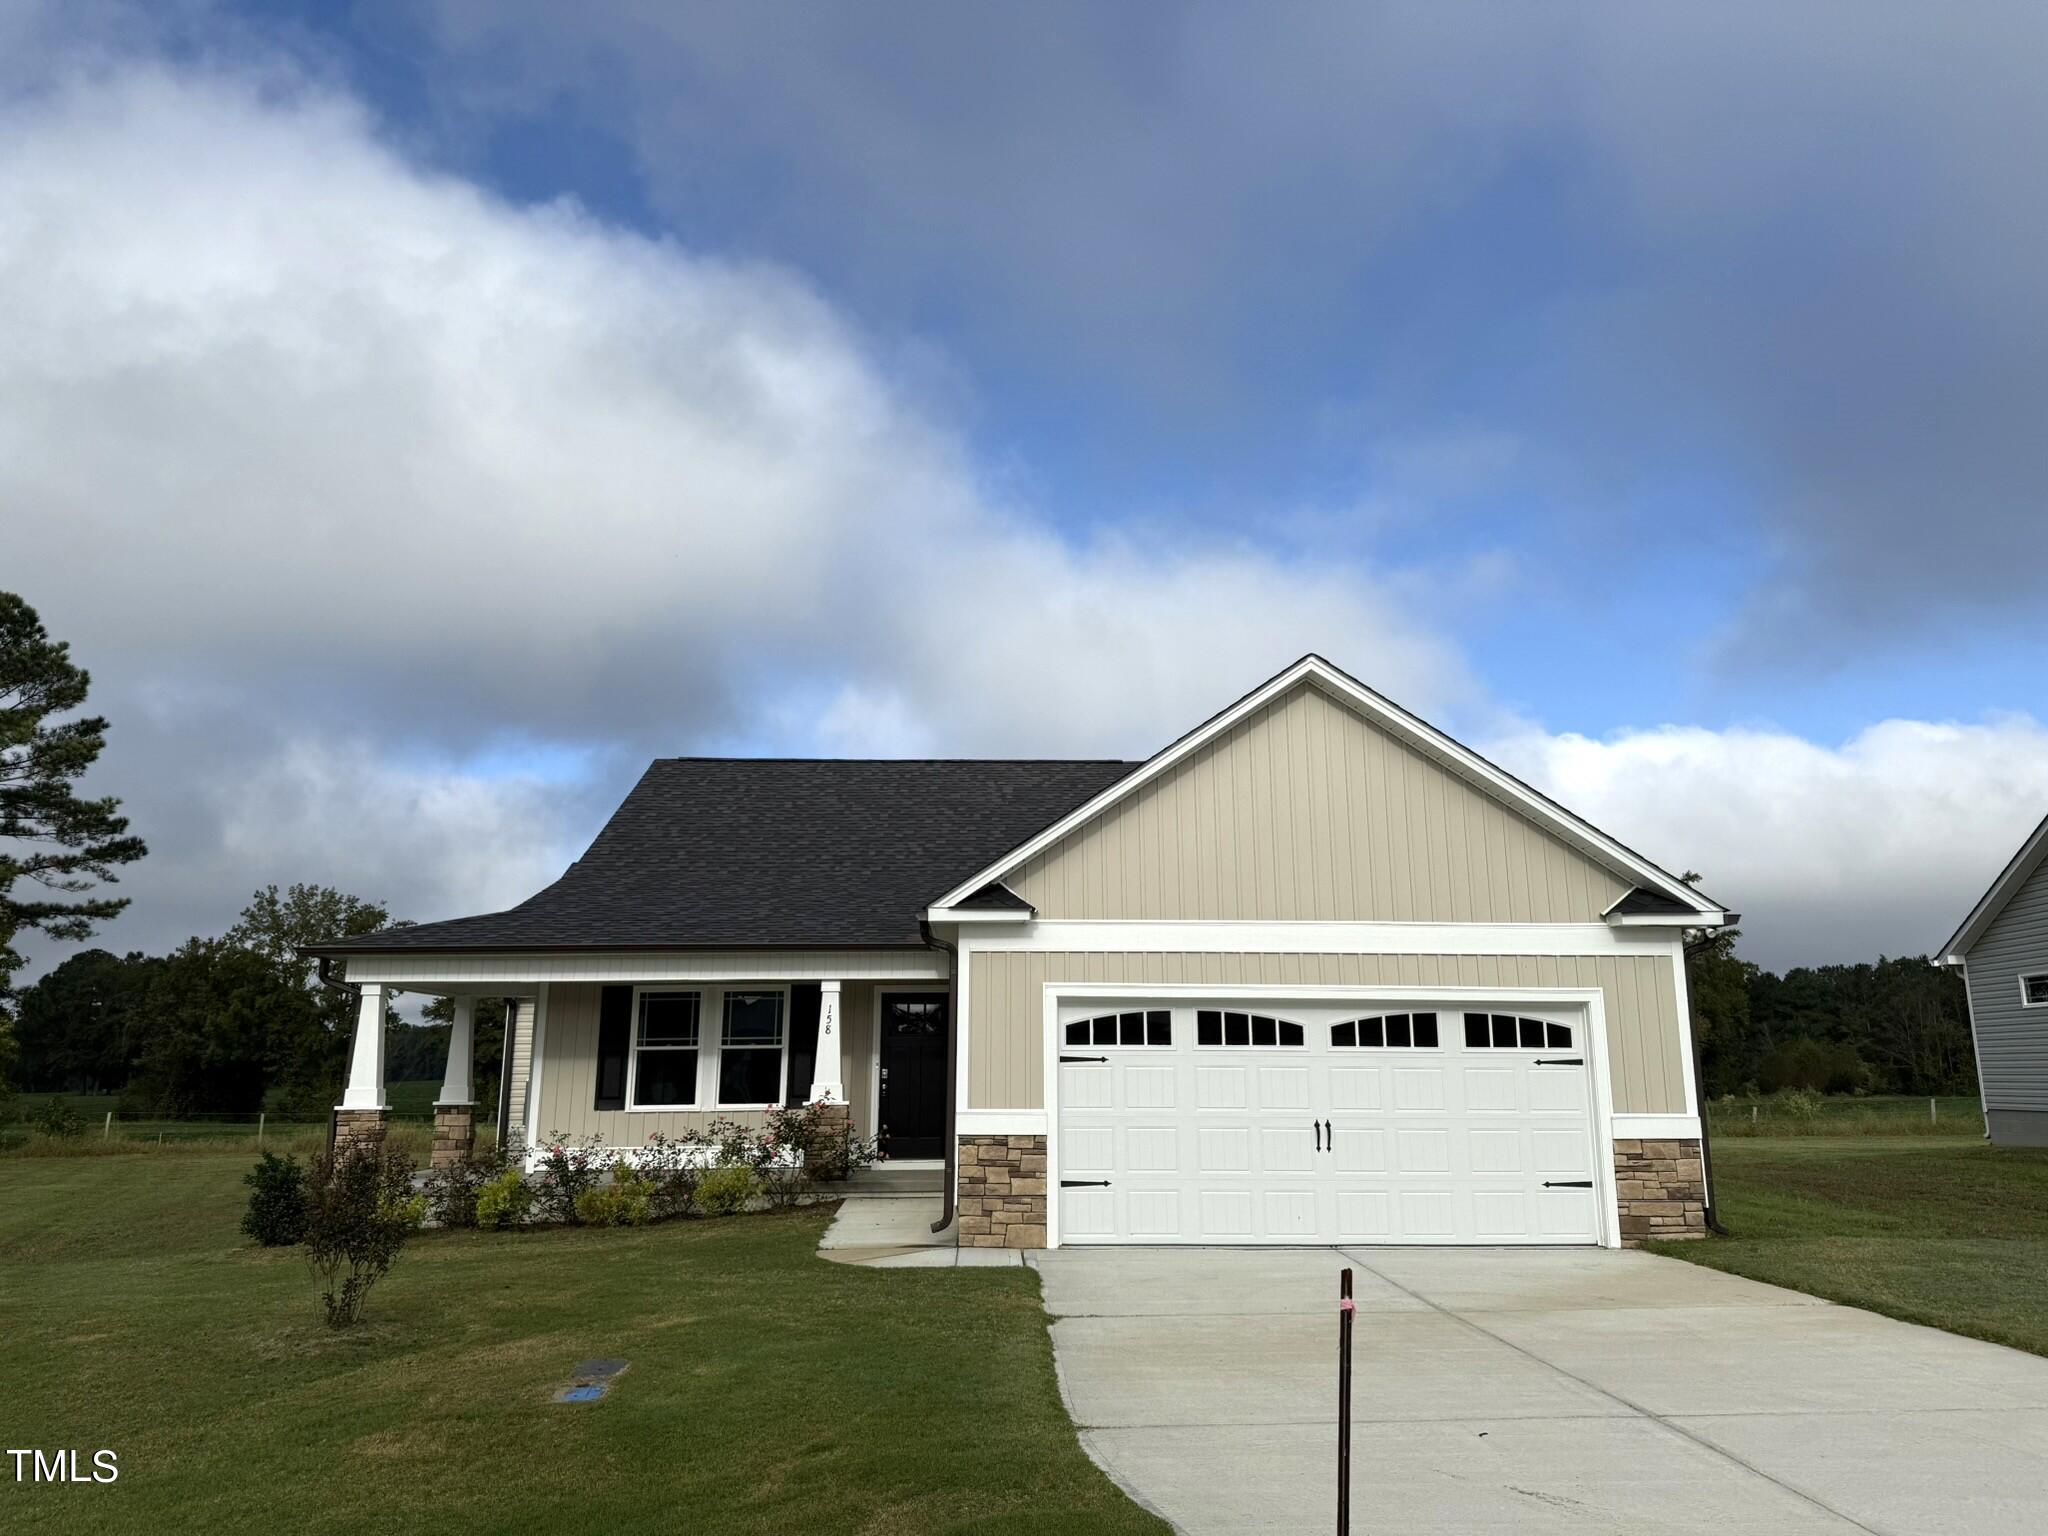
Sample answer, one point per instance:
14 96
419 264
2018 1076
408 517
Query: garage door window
1154 1026
1215 1026
1387 1030
1501 1031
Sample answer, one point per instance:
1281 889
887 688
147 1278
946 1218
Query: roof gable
2011 880
1628 868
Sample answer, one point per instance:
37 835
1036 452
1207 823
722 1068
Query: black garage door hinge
1560 1061
1084 1058
1084 1183
1567 1183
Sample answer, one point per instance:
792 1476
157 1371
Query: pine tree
49 837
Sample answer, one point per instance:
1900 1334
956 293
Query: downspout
1699 1080
953 1027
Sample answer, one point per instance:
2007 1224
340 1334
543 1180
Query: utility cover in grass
598 1370
591 1380
582 1392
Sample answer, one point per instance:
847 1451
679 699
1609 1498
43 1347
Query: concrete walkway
895 1232
1535 1391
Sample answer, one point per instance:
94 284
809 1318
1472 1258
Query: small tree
360 1209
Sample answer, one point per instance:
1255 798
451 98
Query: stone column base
358 1127
827 1155
454 1134
1002 1192
1663 1194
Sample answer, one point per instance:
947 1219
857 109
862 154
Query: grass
768 1390
1947 1231
1780 1115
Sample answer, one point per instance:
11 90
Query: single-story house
2002 949
1313 973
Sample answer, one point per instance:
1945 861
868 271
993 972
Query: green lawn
768 1390
1951 1232
1779 1115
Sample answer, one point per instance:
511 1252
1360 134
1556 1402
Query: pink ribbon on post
1347 1305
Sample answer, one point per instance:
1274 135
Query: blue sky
522 390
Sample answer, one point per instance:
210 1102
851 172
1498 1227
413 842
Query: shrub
276 1217
725 1190
56 1118
672 1168
567 1169
360 1209
504 1201
452 1191
625 1202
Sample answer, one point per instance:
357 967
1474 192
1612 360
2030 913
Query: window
2034 990
1154 1026
1216 1026
750 1049
1396 1030
665 1050
1503 1031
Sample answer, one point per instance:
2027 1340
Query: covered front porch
618 1047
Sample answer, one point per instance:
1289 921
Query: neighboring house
1314 973
2002 948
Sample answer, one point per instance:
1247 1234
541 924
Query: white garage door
1286 1123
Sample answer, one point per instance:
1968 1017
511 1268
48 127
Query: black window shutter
614 1035
803 1038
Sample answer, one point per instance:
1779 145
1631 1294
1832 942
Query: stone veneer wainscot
1002 1191
1662 1192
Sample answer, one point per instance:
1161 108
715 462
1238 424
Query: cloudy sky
417 416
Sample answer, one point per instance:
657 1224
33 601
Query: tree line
228 1025
1900 1025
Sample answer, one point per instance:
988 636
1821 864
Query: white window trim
2025 977
710 1045
633 1051
780 989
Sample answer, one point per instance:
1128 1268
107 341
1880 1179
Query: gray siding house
2002 948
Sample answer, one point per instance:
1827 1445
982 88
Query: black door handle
1567 1183
1317 1127
1330 1136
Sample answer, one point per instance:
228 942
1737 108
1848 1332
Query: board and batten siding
568 1079
1306 811
1006 1005
2012 1041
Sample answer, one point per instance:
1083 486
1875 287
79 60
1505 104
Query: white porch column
455 1081
365 1088
828 1074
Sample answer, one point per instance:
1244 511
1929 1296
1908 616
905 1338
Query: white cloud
295 432
1880 844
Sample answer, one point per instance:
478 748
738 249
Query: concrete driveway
1535 1391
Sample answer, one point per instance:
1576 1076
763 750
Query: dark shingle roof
776 851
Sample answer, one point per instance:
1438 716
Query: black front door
913 1118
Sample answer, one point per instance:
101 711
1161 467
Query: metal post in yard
1931 1116
1346 1309
108 1133
260 1118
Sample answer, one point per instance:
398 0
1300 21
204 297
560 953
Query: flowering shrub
625 1202
672 1167
567 1169
504 1201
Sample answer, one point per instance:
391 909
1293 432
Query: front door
913 1089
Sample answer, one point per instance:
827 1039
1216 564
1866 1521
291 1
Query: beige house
1314 973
